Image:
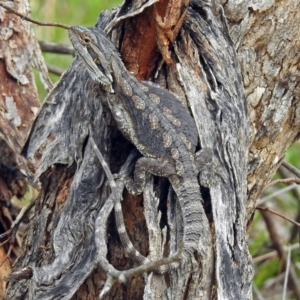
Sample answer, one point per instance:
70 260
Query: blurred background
73 12
273 241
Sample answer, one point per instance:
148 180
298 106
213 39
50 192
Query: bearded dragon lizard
155 121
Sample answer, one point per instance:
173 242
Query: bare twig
56 48
48 47
55 70
285 180
287 271
295 193
7 240
14 229
7 256
32 20
271 226
291 168
257 292
273 253
267 209
277 193
15 225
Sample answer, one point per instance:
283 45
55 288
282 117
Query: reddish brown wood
140 50
18 104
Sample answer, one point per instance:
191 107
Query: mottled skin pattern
155 121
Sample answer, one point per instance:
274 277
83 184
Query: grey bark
265 34
61 250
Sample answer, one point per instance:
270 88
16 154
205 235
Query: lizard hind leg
136 185
158 167
166 263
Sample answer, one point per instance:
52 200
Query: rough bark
19 104
265 35
61 247
18 101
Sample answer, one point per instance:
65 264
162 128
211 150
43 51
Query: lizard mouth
94 69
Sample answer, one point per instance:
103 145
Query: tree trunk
19 104
211 67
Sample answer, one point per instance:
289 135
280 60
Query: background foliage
269 273
71 13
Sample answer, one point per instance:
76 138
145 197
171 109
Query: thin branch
56 48
285 180
287 271
15 225
291 168
271 226
267 209
55 70
7 240
32 20
7 256
295 181
295 192
277 193
257 292
272 254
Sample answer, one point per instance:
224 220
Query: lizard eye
86 40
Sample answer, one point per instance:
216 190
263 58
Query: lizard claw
116 177
120 176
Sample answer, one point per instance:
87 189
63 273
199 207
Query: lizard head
92 49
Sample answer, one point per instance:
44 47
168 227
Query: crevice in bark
207 79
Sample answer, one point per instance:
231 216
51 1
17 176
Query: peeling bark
213 70
19 101
18 106
266 34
